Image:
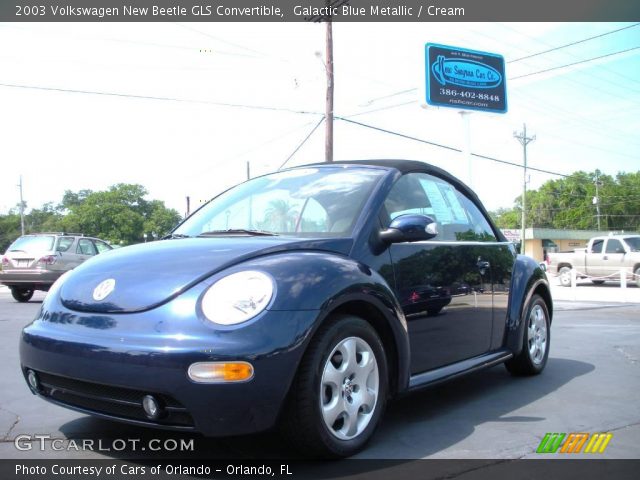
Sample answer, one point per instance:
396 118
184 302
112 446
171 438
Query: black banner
343 469
316 10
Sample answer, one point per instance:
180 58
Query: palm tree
282 215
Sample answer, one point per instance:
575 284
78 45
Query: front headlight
238 297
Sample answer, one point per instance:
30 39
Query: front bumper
38 278
104 364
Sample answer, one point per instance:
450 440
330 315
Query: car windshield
305 202
40 243
634 243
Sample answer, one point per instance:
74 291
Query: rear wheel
637 276
340 390
21 294
565 276
536 340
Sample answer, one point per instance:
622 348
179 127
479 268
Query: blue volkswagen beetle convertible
306 299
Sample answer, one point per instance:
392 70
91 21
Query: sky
182 107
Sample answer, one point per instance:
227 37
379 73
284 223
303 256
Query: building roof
560 234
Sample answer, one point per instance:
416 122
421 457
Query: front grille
125 403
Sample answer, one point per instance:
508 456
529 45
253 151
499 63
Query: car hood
147 275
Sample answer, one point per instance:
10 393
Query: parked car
603 258
34 262
288 300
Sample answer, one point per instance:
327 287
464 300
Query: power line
221 40
302 143
388 107
447 147
572 43
409 90
168 99
575 63
398 134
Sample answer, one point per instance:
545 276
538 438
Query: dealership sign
465 79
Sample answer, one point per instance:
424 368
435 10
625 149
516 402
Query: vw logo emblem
103 289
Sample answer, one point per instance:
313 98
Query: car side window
457 217
314 218
614 246
596 246
85 247
101 246
64 243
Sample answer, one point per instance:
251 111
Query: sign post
467 80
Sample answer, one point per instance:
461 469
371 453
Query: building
537 240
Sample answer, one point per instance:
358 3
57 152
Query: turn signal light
220 372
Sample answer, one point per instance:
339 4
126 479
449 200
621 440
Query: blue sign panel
465 79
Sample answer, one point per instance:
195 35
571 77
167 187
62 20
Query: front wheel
536 340
637 276
339 393
21 294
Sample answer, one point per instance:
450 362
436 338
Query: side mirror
409 228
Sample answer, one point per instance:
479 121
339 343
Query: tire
21 294
336 400
565 276
637 277
535 342
597 282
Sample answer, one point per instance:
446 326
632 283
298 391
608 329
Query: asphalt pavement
591 384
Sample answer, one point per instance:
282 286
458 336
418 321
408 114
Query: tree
120 214
570 203
281 216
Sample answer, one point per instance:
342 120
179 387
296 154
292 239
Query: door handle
605 258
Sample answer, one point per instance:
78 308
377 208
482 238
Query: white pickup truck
601 260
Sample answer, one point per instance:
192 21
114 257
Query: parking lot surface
591 384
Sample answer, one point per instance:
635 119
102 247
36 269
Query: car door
85 249
67 258
594 259
444 285
613 258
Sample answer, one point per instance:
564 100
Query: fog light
32 378
220 372
151 407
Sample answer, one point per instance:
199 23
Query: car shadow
427 422
415 426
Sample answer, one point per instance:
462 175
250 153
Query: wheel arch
374 316
528 279
340 286
562 265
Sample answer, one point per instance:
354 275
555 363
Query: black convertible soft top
407 166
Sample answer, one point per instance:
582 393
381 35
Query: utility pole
248 170
21 207
328 143
524 141
596 200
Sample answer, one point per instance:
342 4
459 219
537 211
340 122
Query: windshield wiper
238 231
175 235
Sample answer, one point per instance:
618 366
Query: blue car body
102 357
